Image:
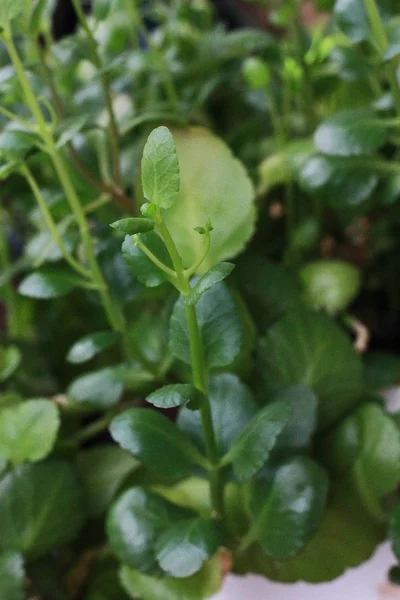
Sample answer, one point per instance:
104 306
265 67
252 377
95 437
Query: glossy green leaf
10 359
215 186
10 9
89 346
42 247
204 584
134 524
232 407
140 265
40 507
328 554
336 183
184 547
220 326
251 449
15 144
351 133
206 281
287 508
394 531
382 370
307 347
69 128
28 431
133 225
303 406
283 166
373 439
393 34
44 285
160 169
147 434
97 390
102 471
331 285
352 19
12 576
171 396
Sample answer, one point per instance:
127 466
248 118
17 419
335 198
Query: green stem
380 36
9 294
206 249
52 227
171 274
105 84
307 93
200 376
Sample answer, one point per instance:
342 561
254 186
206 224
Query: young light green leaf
185 546
251 449
140 265
44 285
287 508
160 169
171 396
10 359
12 576
135 522
89 346
351 133
133 225
98 390
220 325
309 348
204 584
28 431
102 471
146 434
40 507
330 285
206 281
232 407
10 9
215 186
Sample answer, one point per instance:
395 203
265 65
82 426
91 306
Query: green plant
165 410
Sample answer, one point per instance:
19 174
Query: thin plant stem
105 84
9 294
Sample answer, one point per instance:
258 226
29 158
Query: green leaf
134 524
44 285
8 169
329 553
133 225
374 440
393 34
251 449
15 144
147 434
351 133
12 576
28 431
338 184
220 326
352 19
381 370
174 395
89 346
40 508
97 390
232 407
287 508
307 347
69 128
10 9
160 169
270 290
394 531
297 434
282 166
184 547
10 359
215 186
204 584
213 276
102 471
331 285
140 265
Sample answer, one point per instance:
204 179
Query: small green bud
150 210
256 72
292 71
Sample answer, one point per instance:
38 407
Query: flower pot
366 582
